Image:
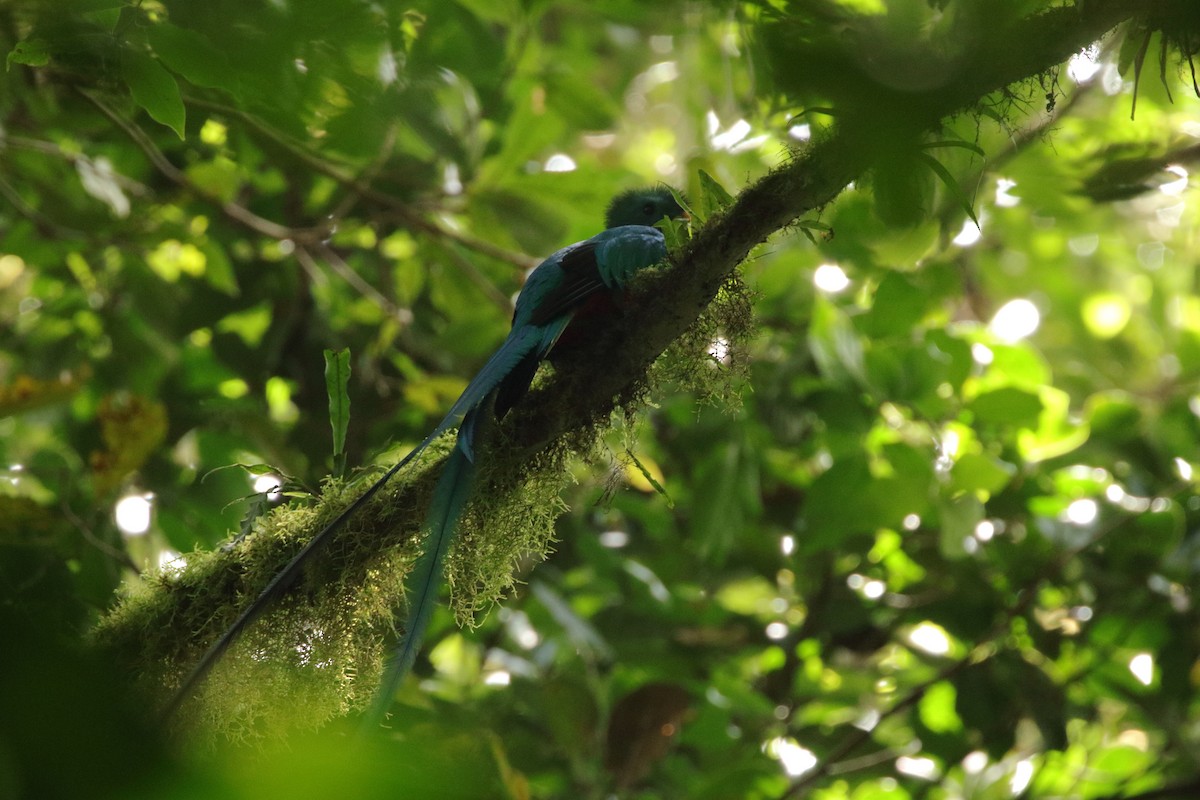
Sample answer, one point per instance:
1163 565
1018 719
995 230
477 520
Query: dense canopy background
927 528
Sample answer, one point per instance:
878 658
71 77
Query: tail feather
514 350
449 499
284 579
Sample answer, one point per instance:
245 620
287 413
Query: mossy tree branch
568 407
673 302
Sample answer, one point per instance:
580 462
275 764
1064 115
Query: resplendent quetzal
559 287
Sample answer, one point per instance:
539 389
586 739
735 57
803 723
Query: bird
580 280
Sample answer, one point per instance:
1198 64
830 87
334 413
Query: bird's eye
648 209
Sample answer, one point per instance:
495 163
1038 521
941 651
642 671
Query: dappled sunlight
133 513
1141 666
719 350
801 133
930 638
1176 187
451 179
268 484
969 235
870 588
1004 197
733 139
1085 245
831 278
794 759
1082 512
1083 66
1015 320
1106 315
559 162
614 539
1021 777
497 677
918 767
171 562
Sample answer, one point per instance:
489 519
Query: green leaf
1007 406
1113 414
675 231
951 184
1119 763
337 381
936 708
959 517
193 56
974 148
154 89
580 102
650 479
31 53
568 707
90 6
807 226
975 472
837 506
1044 700
749 596
1018 365
713 196
683 203
1057 432
726 486
252 469
835 344
898 305
1143 544
824 110
258 504
985 700
903 191
250 324
218 271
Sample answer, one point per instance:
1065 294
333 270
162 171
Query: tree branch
362 188
670 304
568 407
239 214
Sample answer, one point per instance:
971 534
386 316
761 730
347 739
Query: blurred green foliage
945 546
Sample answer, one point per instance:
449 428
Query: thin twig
356 281
481 281
235 212
403 212
413 220
43 223
120 556
366 175
51 149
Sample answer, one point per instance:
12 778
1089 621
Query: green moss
314 656
709 359
505 523
317 654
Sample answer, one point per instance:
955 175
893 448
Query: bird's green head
642 207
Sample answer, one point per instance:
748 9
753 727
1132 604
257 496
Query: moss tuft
317 655
709 359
